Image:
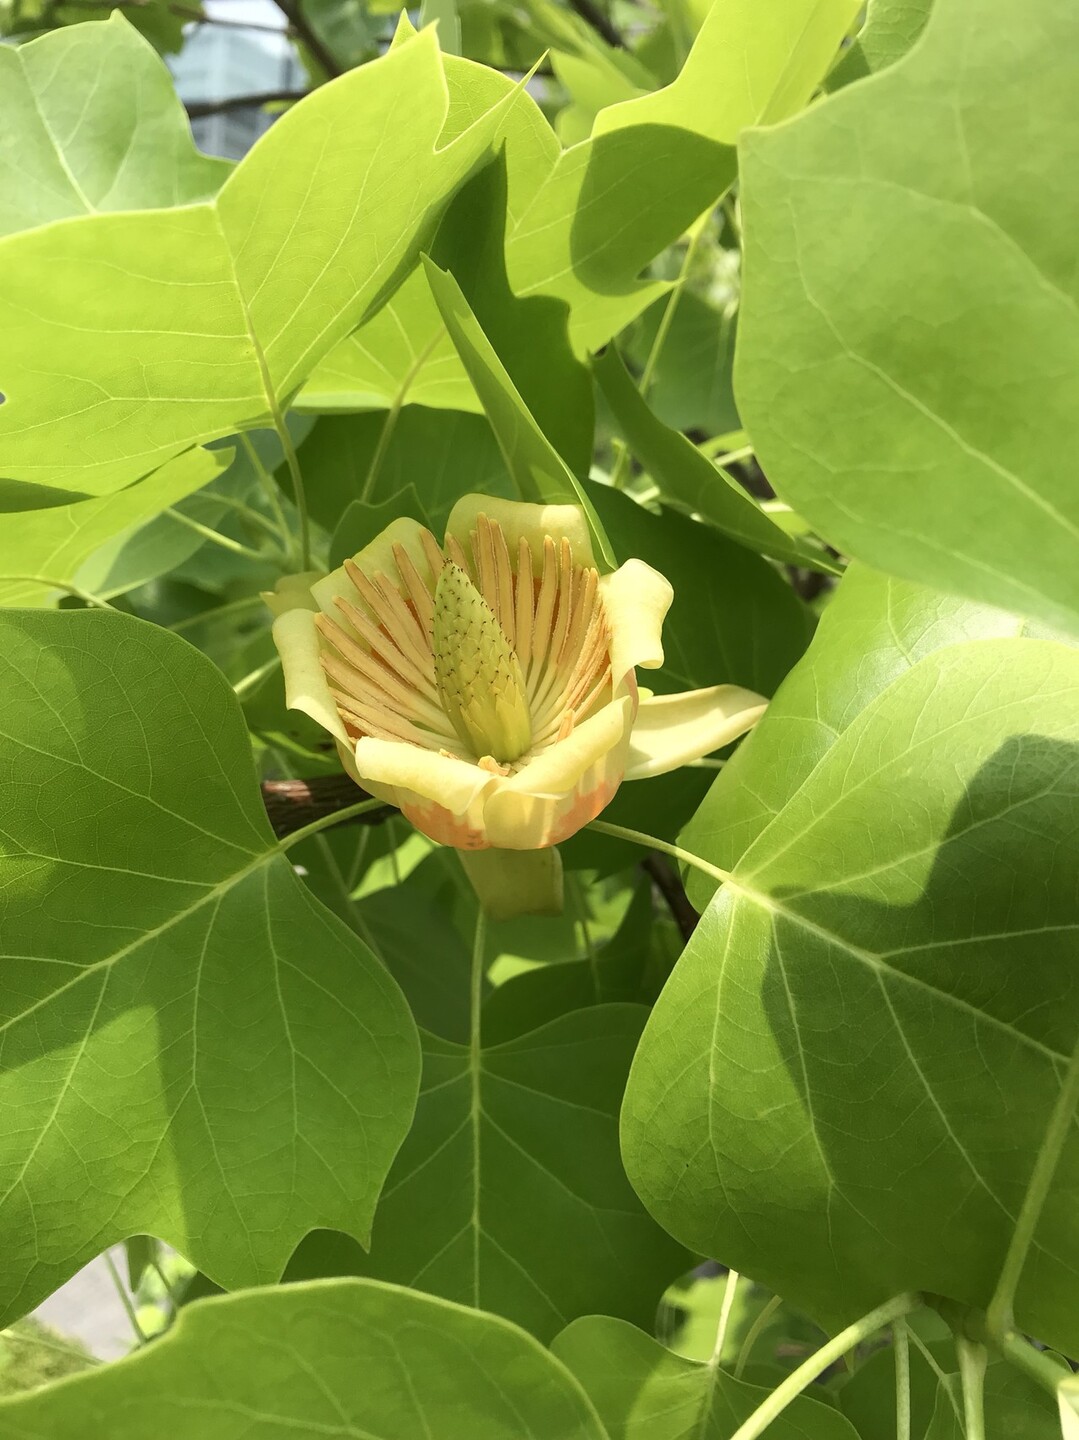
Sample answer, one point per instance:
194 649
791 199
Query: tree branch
669 884
292 804
199 109
592 15
303 32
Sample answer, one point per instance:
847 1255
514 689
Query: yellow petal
520 520
454 784
673 729
378 556
522 811
636 599
306 687
515 882
292 592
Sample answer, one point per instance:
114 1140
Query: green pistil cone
478 675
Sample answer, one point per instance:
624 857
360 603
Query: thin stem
269 485
1034 1363
253 517
389 424
705 763
651 842
475 1063
581 906
754 1332
324 822
214 537
790 1388
972 1361
125 1298
999 1315
901 1347
68 588
233 607
299 494
251 680
731 457
618 474
730 1290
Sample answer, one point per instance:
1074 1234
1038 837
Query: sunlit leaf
870 1023
193 1047
345 1357
908 363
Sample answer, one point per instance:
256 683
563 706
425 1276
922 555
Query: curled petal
292 592
565 786
306 687
441 795
673 729
532 523
636 599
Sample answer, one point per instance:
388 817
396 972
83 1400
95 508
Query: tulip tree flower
487 686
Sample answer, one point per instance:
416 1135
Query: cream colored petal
292 592
306 687
530 522
636 599
673 729
449 782
520 810
378 556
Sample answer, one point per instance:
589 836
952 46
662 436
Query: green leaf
442 454
620 970
344 1357
872 632
120 363
193 1047
855 1026
56 544
91 122
539 471
891 28
689 479
654 164
509 1194
692 386
643 1391
910 269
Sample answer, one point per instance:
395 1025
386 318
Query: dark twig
292 804
199 109
595 17
307 37
669 884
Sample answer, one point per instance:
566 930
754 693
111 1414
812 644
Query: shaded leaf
858 1037
643 1391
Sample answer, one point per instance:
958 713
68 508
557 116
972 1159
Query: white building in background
219 62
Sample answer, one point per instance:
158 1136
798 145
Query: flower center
478 676
487 656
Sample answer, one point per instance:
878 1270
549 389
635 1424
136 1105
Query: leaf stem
475 1062
250 680
651 842
810 1370
252 516
754 1332
972 1361
324 822
730 1290
999 1316
68 588
389 424
659 340
125 1298
269 485
231 608
298 492
901 1348
215 537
